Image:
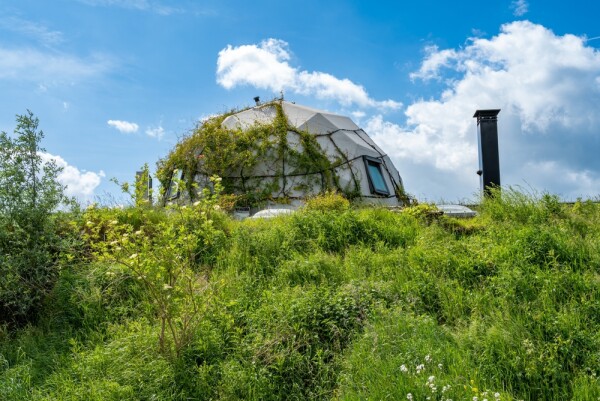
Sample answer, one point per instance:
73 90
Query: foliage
168 264
236 154
327 303
142 194
328 201
29 245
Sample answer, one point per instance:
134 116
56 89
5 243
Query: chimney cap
257 100
486 113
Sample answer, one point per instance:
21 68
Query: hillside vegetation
332 302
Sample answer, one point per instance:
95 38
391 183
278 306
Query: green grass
349 304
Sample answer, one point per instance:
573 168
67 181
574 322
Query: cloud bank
548 87
266 66
80 184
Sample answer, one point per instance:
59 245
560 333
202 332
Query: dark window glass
375 174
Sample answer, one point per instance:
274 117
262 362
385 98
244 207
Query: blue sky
115 83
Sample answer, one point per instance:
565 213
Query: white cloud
31 29
519 7
155 132
547 88
435 60
266 66
80 184
47 66
124 126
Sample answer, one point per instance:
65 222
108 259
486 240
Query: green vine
257 164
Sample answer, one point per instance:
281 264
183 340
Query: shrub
29 246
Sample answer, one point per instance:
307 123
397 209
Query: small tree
142 193
29 193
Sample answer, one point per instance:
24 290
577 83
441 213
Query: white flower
475 399
427 358
440 365
409 396
497 396
133 256
196 203
167 287
403 368
430 379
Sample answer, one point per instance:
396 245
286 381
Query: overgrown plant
169 264
235 154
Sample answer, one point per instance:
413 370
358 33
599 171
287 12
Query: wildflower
445 388
475 399
138 232
217 207
420 368
133 256
167 287
409 396
497 396
89 223
118 248
403 368
440 366
197 203
427 358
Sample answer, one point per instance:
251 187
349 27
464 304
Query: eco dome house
280 153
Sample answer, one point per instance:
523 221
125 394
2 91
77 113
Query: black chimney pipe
489 159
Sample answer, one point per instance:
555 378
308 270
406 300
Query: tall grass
336 303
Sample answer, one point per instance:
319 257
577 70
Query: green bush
29 244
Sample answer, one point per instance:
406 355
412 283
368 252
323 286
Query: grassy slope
350 305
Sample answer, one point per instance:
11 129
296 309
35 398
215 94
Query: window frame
378 163
176 172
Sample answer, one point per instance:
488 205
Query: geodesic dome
296 152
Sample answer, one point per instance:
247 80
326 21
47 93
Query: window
375 175
174 191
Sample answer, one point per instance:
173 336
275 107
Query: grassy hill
332 302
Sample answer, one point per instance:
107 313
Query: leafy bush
29 244
329 201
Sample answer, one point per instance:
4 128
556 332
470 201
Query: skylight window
375 176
